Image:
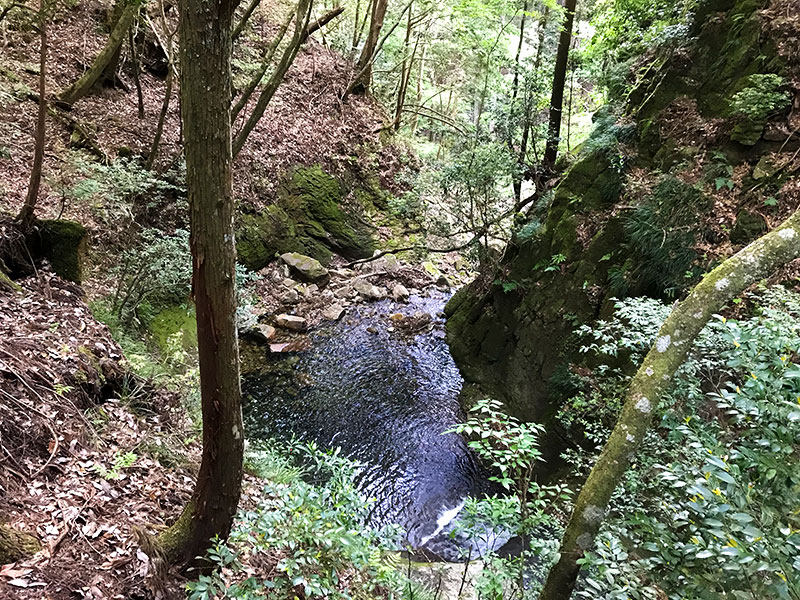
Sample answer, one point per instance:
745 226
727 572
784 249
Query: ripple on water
385 400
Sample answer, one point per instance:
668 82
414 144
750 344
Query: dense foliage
709 509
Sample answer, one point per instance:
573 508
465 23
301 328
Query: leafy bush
110 190
761 97
308 540
510 449
157 272
661 237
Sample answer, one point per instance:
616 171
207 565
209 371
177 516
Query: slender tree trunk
205 49
248 12
26 215
358 29
405 72
289 54
559 79
109 75
420 74
517 179
86 82
162 117
364 65
137 67
255 80
515 83
653 378
303 29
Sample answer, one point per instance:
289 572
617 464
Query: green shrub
710 508
155 274
661 238
310 541
110 190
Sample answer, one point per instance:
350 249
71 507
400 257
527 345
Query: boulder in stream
400 293
369 291
306 268
292 322
333 312
260 333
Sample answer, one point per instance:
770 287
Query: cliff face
696 163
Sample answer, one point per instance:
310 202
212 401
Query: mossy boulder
306 268
308 218
262 237
175 329
314 199
63 244
749 225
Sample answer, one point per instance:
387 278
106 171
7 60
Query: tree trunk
26 215
405 72
162 117
515 83
420 73
364 64
16 545
303 29
255 80
109 75
205 32
86 82
675 338
559 79
245 18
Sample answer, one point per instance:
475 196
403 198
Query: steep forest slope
89 450
95 149
678 174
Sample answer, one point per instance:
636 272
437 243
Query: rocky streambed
379 382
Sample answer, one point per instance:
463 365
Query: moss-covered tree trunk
16 545
654 376
86 82
205 32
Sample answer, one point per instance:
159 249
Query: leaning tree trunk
559 79
16 545
363 67
25 217
205 33
654 376
87 81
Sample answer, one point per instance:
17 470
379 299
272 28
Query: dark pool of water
385 399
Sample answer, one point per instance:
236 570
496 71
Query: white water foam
443 521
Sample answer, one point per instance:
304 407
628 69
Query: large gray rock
292 322
306 268
369 291
400 293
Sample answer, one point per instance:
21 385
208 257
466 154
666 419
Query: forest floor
90 453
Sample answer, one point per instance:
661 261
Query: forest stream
385 395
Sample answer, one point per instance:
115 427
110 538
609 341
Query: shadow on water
385 398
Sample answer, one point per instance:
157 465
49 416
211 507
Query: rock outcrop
308 218
647 208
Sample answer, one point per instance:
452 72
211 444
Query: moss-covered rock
63 244
314 199
749 226
262 237
308 218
